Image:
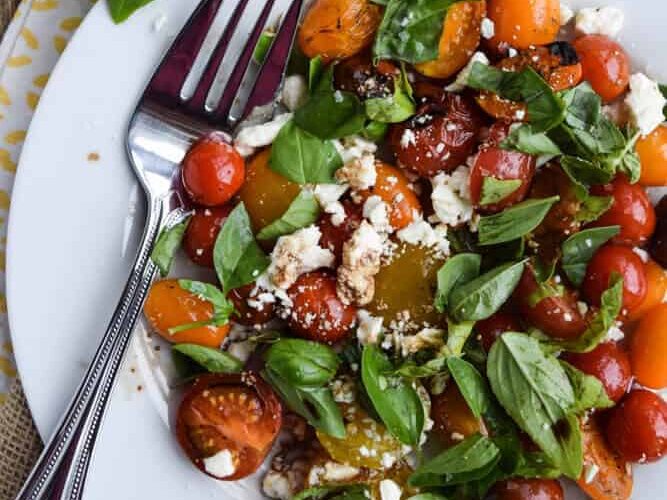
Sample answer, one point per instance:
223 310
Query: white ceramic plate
74 227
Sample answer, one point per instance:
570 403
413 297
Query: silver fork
207 81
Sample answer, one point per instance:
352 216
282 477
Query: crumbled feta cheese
512 52
451 196
359 173
277 485
258 136
295 92
339 472
408 138
221 464
361 262
343 390
582 307
389 490
421 233
615 333
327 196
457 436
461 81
354 147
590 471
376 211
566 14
241 350
642 254
603 21
426 338
488 28
645 103
388 460
369 327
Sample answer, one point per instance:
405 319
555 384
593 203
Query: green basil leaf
166 246
302 212
536 465
122 9
237 257
334 492
584 107
536 392
213 360
586 172
468 461
514 222
301 362
303 158
458 270
395 400
315 66
431 368
631 166
495 190
471 384
589 392
592 207
525 140
482 297
579 248
222 308
263 45
395 108
375 131
457 335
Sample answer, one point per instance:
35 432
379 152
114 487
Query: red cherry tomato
648 348
631 209
491 328
557 316
621 260
213 171
237 413
452 416
493 161
608 363
333 237
251 310
202 232
637 427
605 64
318 314
529 489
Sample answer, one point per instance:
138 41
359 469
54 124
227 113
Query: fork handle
80 423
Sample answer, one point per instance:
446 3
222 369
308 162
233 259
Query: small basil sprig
237 258
222 307
457 336
121 10
302 212
457 270
495 190
212 360
167 244
514 222
395 108
588 390
393 398
526 140
579 248
592 207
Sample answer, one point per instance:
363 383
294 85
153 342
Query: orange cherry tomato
250 310
605 64
237 413
393 187
491 328
213 171
452 418
338 29
459 39
648 349
169 306
202 232
522 24
656 289
529 489
652 151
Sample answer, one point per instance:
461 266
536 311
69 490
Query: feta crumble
408 138
421 233
488 28
221 464
389 490
361 262
257 136
642 254
354 147
566 14
603 21
615 333
276 485
327 196
451 196
461 81
377 213
369 327
295 92
645 103
359 173
424 339
339 472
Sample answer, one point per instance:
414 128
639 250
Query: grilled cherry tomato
658 247
213 171
318 314
501 164
334 236
239 414
648 349
637 428
360 76
338 29
557 315
453 420
652 151
529 489
605 64
610 260
459 39
251 310
608 363
631 209
168 306
202 232
613 480
393 187
438 138
656 289
491 328
522 24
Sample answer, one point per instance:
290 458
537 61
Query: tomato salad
439 273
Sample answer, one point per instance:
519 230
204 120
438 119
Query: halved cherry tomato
202 232
652 151
637 428
529 489
459 39
656 289
334 237
631 209
237 413
495 162
605 64
609 363
491 328
453 420
613 480
610 260
318 314
439 138
213 171
658 247
522 24
338 29
360 76
648 349
393 187
168 306
251 310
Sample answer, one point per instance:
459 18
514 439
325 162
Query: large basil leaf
394 399
237 257
458 270
514 222
584 107
495 190
166 246
480 298
302 212
579 248
536 392
304 158
588 390
222 307
457 335
585 171
471 384
302 362
524 139
122 9
213 360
